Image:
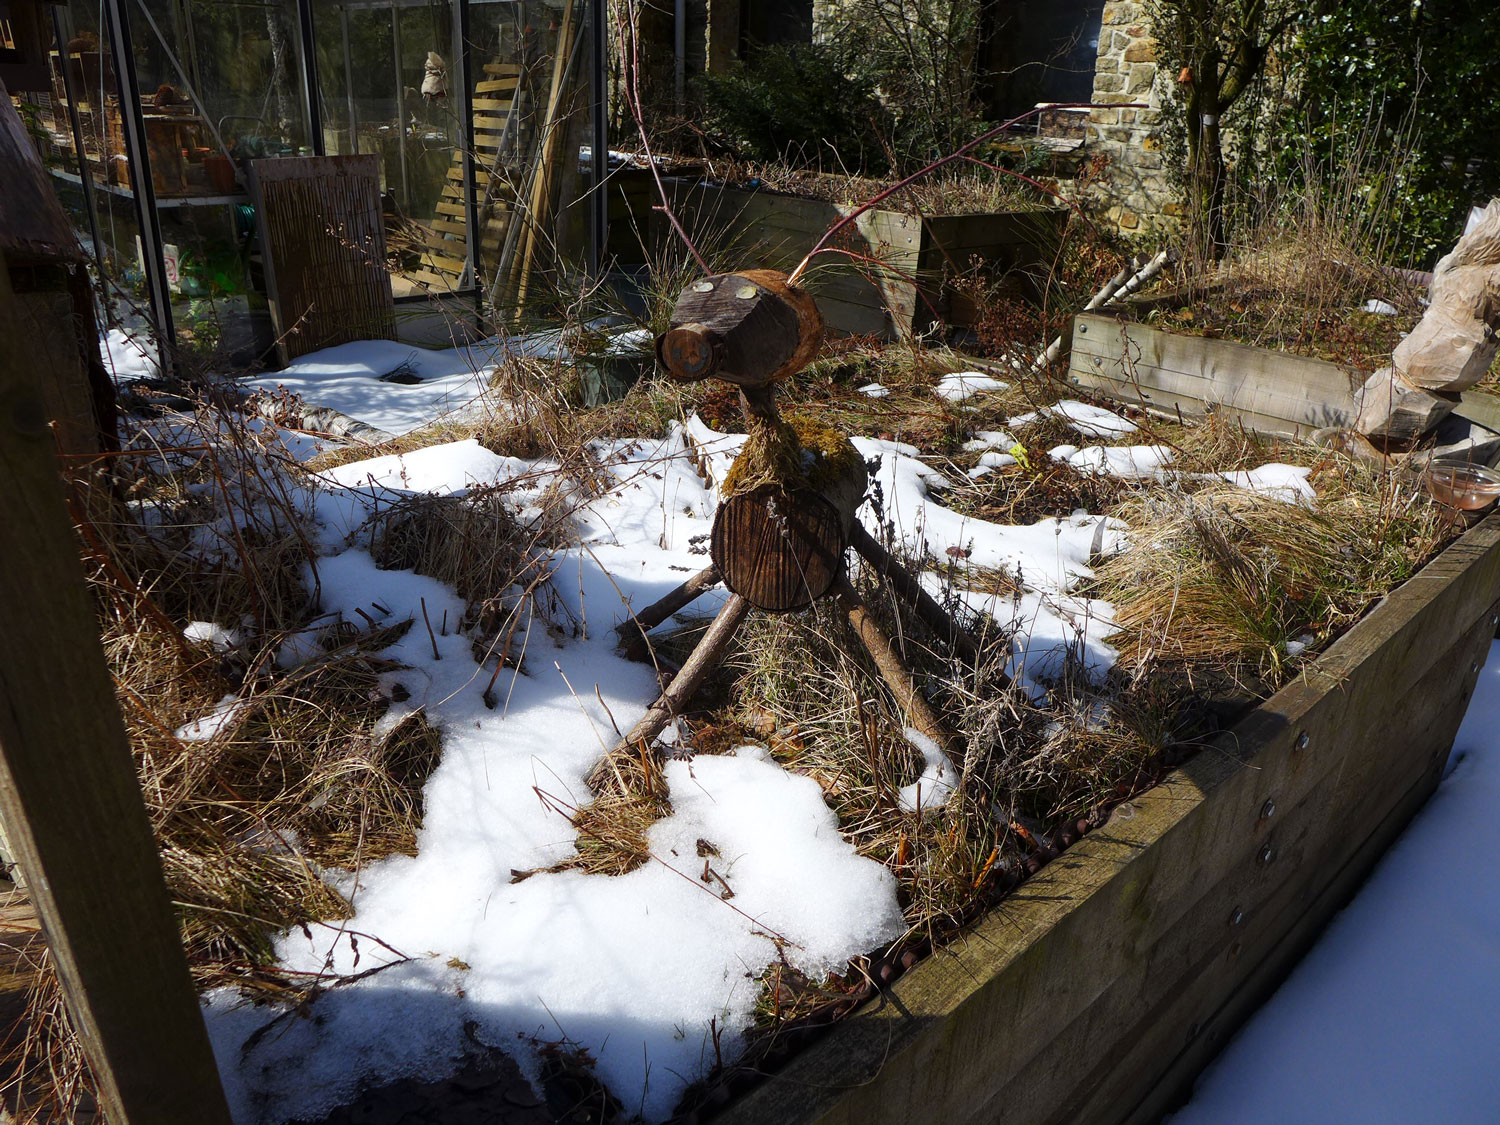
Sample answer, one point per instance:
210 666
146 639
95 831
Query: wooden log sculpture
787 518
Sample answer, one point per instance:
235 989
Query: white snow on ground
960 385
348 378
1052 554
128 356
1391 1018
1117 461
205 727
875 390
989 439
442 470
938 781
1051 628
989 462
1091 421
639 970
1282 482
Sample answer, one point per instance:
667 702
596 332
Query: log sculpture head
780 535
751 329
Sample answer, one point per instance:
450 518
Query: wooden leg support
909 587
704 659
888 662
658 611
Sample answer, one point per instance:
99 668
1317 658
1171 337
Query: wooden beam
71 803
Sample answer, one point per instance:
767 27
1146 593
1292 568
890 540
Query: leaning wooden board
324 244
1102 986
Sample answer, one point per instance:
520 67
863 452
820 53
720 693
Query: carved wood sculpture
787 517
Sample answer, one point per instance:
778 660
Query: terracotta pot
220 172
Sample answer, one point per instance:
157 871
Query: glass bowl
1463 485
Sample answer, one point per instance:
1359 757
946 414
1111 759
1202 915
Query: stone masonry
1137 190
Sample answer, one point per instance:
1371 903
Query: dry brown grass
300 776
944 193
1218 582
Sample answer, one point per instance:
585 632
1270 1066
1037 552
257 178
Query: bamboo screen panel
324 243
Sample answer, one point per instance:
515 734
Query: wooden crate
1103 985
769 229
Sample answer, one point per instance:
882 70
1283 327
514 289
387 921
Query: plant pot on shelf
220 170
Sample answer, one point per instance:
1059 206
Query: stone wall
1140 198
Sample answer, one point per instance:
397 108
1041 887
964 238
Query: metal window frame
143 188
159 295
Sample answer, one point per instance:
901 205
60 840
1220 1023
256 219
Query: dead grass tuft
297 767
1235 583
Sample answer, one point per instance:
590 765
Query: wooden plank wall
773 230
1095 993
762 229
1020 246
1272 392
324 242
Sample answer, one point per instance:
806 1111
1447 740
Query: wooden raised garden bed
1270 391
1099 988
1273 392
775 230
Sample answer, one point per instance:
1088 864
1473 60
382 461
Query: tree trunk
1206 161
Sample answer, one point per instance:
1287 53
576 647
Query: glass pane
82 66
532 63
384 70
392 83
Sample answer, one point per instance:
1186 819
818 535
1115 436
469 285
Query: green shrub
799 104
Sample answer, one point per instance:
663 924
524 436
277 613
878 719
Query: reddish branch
900 185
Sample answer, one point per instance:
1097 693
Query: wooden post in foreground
69 797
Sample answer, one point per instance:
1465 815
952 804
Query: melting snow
961 385
1091 421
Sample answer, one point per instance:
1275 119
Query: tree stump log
780 535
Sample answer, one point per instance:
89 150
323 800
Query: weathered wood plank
436 261
1282 393
71 802
1480 407
1315 841
1132 933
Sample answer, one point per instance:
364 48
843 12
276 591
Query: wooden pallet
445 250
